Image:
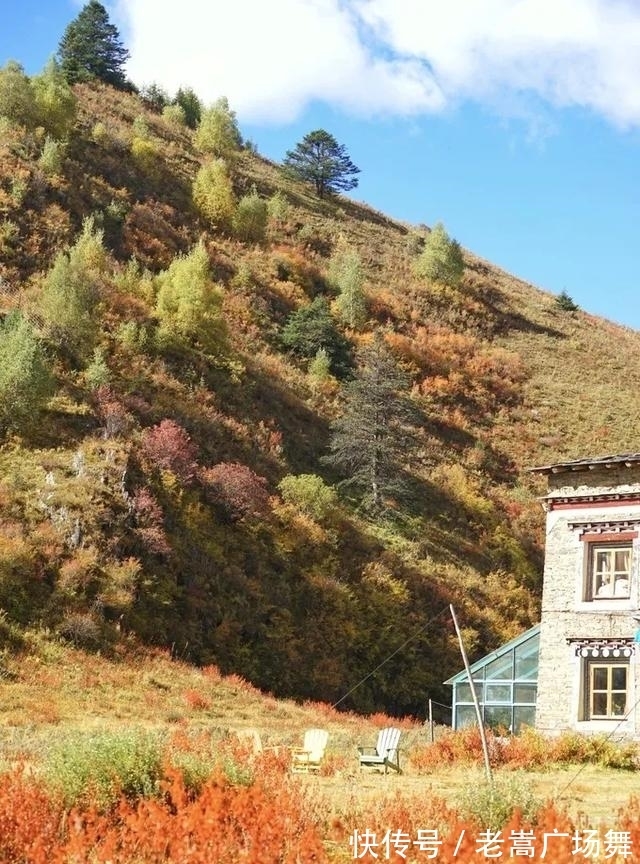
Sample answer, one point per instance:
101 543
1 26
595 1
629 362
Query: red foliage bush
196 701
255 824
169 447
149 522
237 488
114 417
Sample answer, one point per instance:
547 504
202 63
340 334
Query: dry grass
54 689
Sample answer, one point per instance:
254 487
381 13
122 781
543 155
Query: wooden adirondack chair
252 739
308 758
386 752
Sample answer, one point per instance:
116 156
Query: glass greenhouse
506 684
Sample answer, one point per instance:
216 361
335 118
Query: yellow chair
308 758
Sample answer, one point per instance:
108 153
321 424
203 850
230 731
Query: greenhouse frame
506 685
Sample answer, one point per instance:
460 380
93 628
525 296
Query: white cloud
403 57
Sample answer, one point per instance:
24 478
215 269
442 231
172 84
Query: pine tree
91 48
319 158
312 328
372 436
188 100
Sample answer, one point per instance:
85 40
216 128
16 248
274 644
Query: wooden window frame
589 668
619 544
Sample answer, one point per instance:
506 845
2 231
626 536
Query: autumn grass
126 750
52 696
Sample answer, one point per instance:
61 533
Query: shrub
492 804
26 381
250 218
18 190
441 260
9 234
240 490
174 115
97 372
188 305
81 629
149 522
133 336
100 135
213 194
320 367
169 447
345 271
278 208
17 100
97 767
145 155
110 411
218 132
55 101
52 156
70 294
309 494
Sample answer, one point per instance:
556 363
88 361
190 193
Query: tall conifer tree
91 48
319 159
371 437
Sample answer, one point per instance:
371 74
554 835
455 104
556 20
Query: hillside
142 500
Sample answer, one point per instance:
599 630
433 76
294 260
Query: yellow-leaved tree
188 304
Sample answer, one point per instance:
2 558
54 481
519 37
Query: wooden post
431 735
483 737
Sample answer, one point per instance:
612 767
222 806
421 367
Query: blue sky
514 122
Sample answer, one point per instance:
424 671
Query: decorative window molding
614 527
611 649
607 499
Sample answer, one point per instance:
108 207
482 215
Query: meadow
147 759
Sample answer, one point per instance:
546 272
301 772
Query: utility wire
393 654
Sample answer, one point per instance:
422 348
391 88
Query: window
606 690
609 571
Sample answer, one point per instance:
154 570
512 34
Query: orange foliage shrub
457 367
151 234
223 823
528 750
196 701
273 820
30 821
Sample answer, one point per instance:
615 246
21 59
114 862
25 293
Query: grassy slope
56 691
505 379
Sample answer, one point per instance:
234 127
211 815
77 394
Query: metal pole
483 737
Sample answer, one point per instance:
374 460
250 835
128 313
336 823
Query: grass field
52 691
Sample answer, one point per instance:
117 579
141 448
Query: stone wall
566 615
